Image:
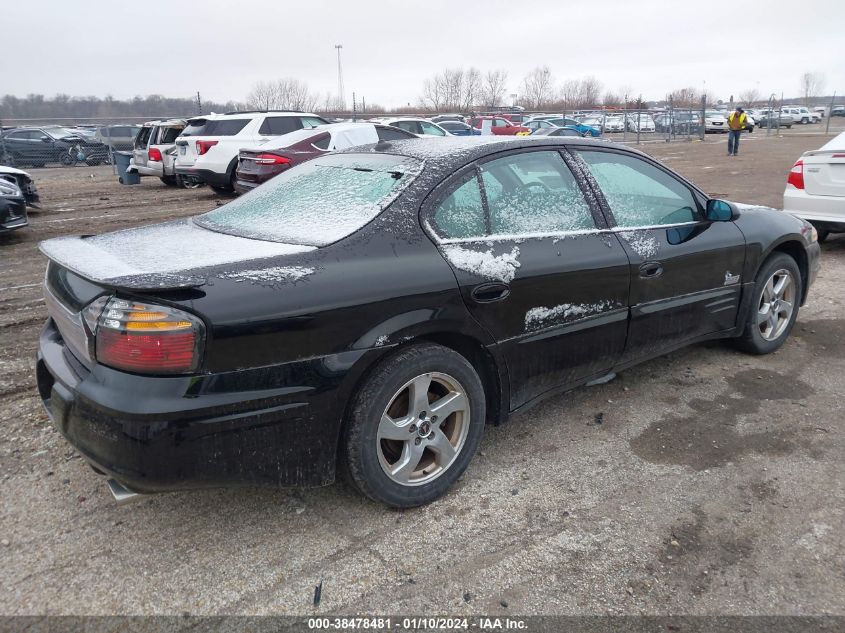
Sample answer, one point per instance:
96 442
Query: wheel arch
795 249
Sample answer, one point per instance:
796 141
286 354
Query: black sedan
40 146
370 310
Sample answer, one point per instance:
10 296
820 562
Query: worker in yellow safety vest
736 122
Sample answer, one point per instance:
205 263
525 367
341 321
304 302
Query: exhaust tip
122 495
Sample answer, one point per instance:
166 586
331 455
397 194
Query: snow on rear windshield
317 202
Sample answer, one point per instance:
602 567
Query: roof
451 153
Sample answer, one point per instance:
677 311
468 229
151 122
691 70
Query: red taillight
271 159
154 154
147 353
147 338
204 146
796 175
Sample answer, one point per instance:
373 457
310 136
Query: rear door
685 271
534 269
140 147
824 174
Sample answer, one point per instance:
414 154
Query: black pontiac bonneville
370 310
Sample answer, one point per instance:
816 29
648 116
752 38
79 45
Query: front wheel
777 294
414 426
66 159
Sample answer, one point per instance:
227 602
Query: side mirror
720 211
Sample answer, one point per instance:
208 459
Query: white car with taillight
815 188
207 150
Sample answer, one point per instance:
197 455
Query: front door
534 269
685 271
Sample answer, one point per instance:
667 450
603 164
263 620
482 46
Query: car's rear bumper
207 176
271 426
828 210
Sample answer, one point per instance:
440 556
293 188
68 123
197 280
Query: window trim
698 196
439 193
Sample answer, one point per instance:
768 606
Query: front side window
408 126
312 121
317 202
638 193
432 130
534 192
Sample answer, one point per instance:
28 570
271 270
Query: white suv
207 150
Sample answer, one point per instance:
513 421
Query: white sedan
421 127
815 188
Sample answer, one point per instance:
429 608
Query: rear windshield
317 202
214 127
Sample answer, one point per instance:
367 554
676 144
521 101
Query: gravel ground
703 482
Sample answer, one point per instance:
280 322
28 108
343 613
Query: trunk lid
169 255
824 173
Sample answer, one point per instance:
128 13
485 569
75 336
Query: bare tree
611 99
494 87
282 94
570 92
589 93
811 86
537 87
685 97
471 89
749 97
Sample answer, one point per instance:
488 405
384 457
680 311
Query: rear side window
387 134
638 193
168 135
195 127
317 202
461 213
143 137
322 141
278 125
224 127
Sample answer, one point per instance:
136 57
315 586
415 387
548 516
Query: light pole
341 100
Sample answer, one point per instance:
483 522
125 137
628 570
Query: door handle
490 292
650 270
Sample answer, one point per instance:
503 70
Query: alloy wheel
777 303
423 429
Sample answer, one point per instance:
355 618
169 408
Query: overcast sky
175 48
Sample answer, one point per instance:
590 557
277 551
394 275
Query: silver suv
154 151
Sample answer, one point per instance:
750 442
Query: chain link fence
32 143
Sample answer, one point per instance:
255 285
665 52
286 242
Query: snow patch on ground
641 243
276 274
484 263
539 317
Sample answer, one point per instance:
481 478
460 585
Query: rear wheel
414 426
777 293
66 159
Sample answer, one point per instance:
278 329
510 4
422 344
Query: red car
501 126
258 165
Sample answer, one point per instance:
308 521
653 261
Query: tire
170 181
764 335
382 411
66 159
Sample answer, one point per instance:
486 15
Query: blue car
585 130
459 128
541 123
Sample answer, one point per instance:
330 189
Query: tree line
452 89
